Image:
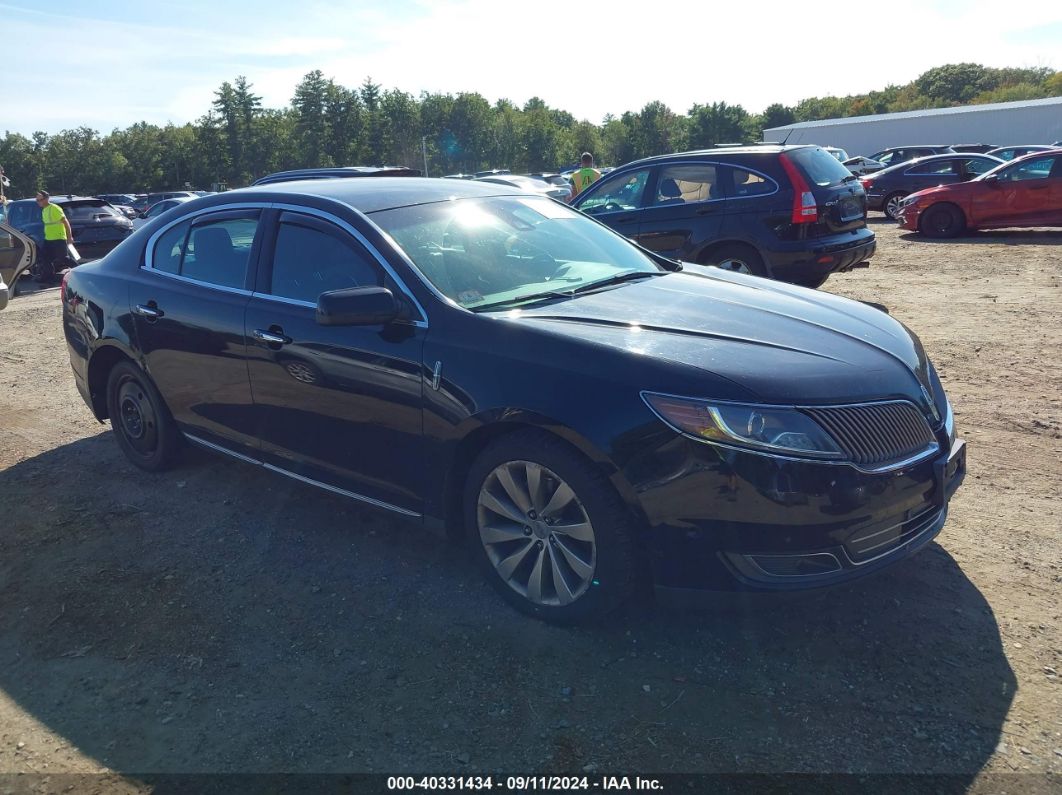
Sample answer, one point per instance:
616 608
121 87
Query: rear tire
942 221
145 430
548 530
891 205
736 257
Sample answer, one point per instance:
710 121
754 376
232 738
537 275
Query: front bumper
722 519
908 217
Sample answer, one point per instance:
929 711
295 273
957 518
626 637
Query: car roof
339 172
751 149
371 195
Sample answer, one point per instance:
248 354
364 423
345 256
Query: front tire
145 430
942 221
550 532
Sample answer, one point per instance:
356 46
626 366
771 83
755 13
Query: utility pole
424 151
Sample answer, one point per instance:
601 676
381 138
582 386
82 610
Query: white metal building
1033 121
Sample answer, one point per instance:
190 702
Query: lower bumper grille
874 541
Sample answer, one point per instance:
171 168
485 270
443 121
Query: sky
108 65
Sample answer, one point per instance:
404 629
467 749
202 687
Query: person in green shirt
57 236
585 176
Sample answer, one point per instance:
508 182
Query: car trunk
840 201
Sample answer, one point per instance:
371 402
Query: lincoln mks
497 366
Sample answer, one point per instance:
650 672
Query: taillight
866 183
805 208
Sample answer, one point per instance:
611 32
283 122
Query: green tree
952 83
717 123
311 132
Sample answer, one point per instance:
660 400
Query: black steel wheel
145 430
942 221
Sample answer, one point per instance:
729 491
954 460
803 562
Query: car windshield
499 251
87 212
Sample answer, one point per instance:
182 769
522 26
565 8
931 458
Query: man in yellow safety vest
57 236
585 176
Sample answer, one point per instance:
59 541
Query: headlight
765 428
949 423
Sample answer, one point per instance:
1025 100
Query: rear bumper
813 260
875 201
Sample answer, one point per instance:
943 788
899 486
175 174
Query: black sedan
501 367
887 188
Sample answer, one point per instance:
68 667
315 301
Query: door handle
625 219
707 210
270 337
148 310
1039 187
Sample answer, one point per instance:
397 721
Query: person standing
57 236
585 176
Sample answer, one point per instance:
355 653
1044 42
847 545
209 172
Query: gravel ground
219 619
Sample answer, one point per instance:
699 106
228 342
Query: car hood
783 344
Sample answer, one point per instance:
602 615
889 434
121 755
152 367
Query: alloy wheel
734 264
892 206
536 533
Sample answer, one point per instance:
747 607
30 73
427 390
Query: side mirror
357 306
992 180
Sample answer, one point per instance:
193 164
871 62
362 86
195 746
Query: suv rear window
86 212
819 166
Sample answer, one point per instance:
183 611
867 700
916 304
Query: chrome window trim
149 250
930 449
310 481
208 285
713 163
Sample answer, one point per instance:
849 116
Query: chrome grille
876 540
876 434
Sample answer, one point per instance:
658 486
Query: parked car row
893 156
586 412
1026 191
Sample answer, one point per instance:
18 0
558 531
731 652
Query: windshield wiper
619 279
522 299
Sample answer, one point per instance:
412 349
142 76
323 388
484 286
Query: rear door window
748 183
214 251
685 184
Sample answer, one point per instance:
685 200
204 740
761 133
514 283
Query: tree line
327 124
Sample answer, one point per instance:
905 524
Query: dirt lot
219 619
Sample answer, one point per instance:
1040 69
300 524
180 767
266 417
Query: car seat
669 192
214 261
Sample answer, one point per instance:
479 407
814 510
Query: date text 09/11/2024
524 783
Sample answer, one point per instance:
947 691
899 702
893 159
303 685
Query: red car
1027 191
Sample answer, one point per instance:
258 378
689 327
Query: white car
840 154
17 255
862 165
